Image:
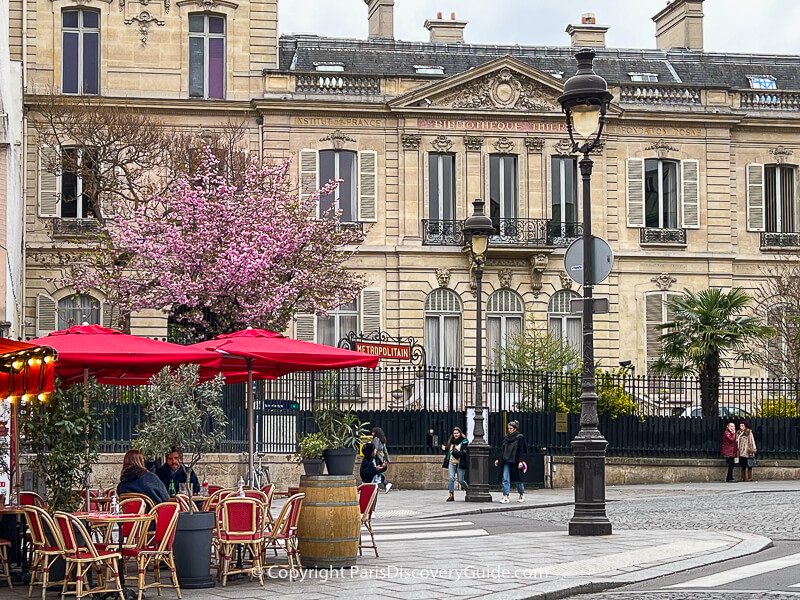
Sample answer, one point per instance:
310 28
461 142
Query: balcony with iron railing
509 233
656 236
771 240
75 227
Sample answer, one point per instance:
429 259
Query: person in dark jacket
172 474
511 453
455 461
730 449
371 466
135 479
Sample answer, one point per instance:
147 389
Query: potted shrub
343 431
182 412
311 448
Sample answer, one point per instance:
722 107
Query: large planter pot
313 466
339 461
329 526
192 550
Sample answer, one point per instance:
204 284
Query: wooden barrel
329 528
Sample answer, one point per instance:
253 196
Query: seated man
172 474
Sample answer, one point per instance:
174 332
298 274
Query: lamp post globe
478 229
585 101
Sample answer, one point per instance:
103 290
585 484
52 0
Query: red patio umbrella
269 355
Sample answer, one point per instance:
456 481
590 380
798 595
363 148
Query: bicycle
261 475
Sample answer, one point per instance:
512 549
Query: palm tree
707 331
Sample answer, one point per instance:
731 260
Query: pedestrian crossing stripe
387 526
432 535
739 573
434 529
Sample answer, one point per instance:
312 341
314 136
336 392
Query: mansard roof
300 53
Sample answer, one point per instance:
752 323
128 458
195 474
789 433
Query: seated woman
136 479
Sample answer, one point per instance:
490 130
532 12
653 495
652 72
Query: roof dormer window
329 67
763 82
428 70
554 73
644 77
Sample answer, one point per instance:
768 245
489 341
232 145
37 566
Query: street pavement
430 548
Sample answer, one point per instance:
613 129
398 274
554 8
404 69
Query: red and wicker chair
367 498
130 533
210 504
213 489
157 550
269 491
31 499
183 501
148 501
240 522
4 546
81 555
44 538
283 534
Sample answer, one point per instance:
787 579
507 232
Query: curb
483 511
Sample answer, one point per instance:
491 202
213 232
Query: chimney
588 34
381 19
680 25
446 31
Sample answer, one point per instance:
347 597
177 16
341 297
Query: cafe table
17 511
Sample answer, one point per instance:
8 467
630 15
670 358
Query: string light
48 360
17 364
42 397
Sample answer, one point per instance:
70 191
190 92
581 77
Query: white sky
759 26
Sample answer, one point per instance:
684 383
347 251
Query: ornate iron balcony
771 239
356 226
514 233
656 236
75 227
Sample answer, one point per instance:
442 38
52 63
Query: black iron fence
417 407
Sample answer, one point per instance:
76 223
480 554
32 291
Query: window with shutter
690 194
660 194
636 214
341 166
755 197
367 185
305 327
45 315
111 316
780 208
49 182
309 166
371 310
77 309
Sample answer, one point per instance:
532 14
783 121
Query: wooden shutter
46 313
636 192
653 316
690 194
755 197
305 327
309 173
371 310
49 182
367 186
110 316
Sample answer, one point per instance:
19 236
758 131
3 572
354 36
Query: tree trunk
709 386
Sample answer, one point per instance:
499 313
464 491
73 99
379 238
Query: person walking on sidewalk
511 453
746 443
729 449
455 461
371 469
379 441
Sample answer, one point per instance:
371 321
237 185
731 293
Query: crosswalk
743 572
425 529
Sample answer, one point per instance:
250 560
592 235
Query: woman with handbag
746 444
455 461
730 449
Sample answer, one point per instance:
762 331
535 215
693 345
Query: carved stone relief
566 282
538 266
411 141
566 148
506 90
664 281
781 154
505 276
337 139
442 143
534 144
473 143
143 22
443 277
504 145
661 148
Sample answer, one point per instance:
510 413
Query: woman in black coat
455 460
372 468
511 454
136 479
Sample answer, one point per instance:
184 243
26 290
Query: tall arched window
505 313
561 322
80 51
76 309
207 69
443 328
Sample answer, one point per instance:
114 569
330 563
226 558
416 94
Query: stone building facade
694 186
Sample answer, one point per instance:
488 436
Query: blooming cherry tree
221 256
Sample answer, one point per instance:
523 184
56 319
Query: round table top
12 509
99 517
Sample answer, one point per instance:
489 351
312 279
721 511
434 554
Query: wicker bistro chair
183 501
130 533
283 534
269 492
213 500
4 546
157 550
148 502
240 522
81 554
31 499
44 537
367 498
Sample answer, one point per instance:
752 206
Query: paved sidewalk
513 560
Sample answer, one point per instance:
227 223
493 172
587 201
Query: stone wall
426 472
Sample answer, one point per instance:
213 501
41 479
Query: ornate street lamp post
477 230
585 101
